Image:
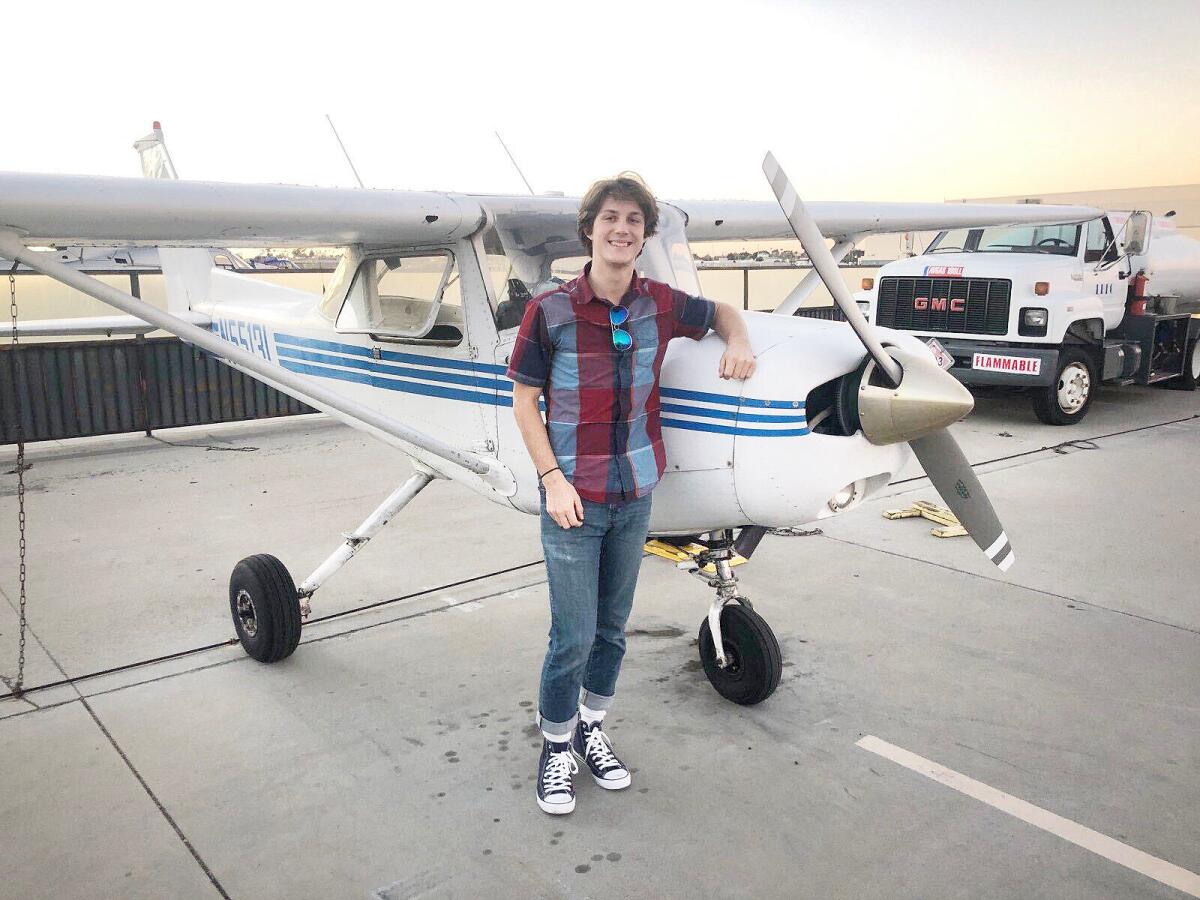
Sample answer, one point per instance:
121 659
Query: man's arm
562 501
738 360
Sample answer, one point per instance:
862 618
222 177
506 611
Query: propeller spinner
907 397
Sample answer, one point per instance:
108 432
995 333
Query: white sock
591 715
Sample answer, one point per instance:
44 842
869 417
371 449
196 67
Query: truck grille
962 305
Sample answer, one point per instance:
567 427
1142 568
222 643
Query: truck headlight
864 307
1034 321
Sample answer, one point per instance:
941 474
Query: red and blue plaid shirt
602 406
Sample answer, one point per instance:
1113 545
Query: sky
859 99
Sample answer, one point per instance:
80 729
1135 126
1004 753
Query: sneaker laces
559 769
599 749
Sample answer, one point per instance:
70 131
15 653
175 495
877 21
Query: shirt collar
581 289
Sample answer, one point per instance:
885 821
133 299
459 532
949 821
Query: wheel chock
686 553
931 512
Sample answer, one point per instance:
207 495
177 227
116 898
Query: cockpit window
415 296
516 276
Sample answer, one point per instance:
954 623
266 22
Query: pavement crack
1061 448
1024 587
154 797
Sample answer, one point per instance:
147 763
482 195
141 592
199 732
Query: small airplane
411 338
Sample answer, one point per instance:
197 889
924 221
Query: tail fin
187 272
156 161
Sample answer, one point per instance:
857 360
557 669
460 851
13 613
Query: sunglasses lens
618 315
622 340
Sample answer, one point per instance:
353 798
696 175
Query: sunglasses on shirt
618 316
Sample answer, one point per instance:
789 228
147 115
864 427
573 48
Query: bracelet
547 472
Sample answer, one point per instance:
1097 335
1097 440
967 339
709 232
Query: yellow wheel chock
932 512
686 553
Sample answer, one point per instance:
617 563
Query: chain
794 531
18 688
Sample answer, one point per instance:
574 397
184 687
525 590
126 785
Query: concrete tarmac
392 756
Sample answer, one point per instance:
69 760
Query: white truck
1053 309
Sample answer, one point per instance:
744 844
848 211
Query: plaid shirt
602 407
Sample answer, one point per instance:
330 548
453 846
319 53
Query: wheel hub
1074 385
246 613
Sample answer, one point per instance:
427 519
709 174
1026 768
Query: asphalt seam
1014 584
241 659
128 763
154 797
229 642
1058 449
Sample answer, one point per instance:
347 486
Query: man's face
618 232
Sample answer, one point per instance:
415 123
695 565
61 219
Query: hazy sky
917 100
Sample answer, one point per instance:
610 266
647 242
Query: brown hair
626 186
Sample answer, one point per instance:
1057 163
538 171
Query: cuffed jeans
592 572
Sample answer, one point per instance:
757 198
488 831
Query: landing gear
265 608
738 650
753 663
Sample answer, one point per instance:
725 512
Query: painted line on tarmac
1079 835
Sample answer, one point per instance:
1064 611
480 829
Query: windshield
1061 240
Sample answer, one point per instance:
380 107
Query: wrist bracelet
547 472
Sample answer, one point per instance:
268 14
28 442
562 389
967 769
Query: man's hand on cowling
737 361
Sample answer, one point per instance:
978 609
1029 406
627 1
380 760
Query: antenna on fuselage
344 151
514 162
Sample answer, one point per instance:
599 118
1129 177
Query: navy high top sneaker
555 781
591 744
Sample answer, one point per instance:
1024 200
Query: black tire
1048 407
265 608
753 661
1191 368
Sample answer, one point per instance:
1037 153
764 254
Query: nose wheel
265 608
738 650
753 662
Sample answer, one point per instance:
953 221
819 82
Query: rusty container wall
77 389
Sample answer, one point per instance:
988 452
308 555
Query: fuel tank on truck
1171 261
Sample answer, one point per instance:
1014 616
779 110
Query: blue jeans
592 572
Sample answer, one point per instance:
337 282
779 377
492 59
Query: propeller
904 395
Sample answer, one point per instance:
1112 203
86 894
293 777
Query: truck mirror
1137 233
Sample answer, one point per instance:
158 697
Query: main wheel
1067 399
265 608
753 663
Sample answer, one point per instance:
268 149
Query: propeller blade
813 243
951 474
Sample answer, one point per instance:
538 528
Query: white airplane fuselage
738 452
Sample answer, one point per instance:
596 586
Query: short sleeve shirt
602 406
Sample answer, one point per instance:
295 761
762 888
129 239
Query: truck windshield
1061 240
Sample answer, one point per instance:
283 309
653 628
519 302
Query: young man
594 348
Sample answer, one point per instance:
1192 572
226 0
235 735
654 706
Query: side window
517 276
1099 240
405 296
508 292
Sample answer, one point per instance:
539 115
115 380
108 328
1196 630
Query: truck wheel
1191 368
1067 399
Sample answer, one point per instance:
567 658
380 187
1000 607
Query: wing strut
812 279
417 444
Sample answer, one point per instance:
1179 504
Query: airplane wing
716 220
169 213
92 210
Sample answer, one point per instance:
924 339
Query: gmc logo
939 304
